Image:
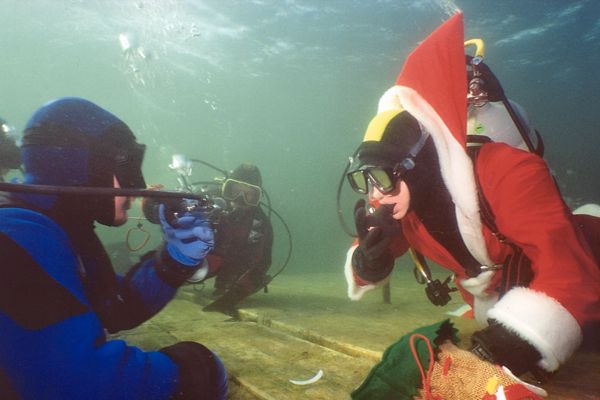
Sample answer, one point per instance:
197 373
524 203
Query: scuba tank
491 115
493 120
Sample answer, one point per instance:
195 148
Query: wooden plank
306 323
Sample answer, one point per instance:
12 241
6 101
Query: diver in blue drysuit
59 294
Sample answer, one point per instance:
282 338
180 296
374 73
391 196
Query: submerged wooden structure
306 324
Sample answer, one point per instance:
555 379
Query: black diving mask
377 164
382 178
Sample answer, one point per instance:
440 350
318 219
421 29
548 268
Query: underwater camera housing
207 207
204 204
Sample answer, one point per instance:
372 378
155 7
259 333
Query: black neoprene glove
372 260
202 375
499 345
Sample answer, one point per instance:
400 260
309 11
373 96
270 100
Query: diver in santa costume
530 275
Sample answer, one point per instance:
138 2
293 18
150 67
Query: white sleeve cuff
355 291
541 321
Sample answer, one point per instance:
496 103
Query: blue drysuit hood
74 142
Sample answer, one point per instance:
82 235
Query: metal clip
494 267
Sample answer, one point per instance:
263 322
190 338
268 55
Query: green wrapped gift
397 376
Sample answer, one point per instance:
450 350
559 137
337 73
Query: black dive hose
519 124
116 192
340 214
266 205
289 235
196 160
99 191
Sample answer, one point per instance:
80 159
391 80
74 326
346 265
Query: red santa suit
564 294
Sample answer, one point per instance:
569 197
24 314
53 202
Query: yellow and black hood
391 136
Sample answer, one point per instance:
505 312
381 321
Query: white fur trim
478 285
456 166
589 209
390 100
541 321
482 301
532 388
355 292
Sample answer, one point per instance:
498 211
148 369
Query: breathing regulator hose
338 198
267 205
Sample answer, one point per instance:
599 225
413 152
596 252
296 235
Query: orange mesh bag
458 374
426 365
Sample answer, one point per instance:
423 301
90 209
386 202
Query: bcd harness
516 269
483 87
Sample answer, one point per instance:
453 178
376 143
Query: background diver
243 238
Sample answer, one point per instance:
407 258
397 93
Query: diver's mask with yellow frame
233 189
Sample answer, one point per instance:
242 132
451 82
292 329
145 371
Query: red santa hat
432 87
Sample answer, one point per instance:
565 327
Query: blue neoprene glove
190 240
